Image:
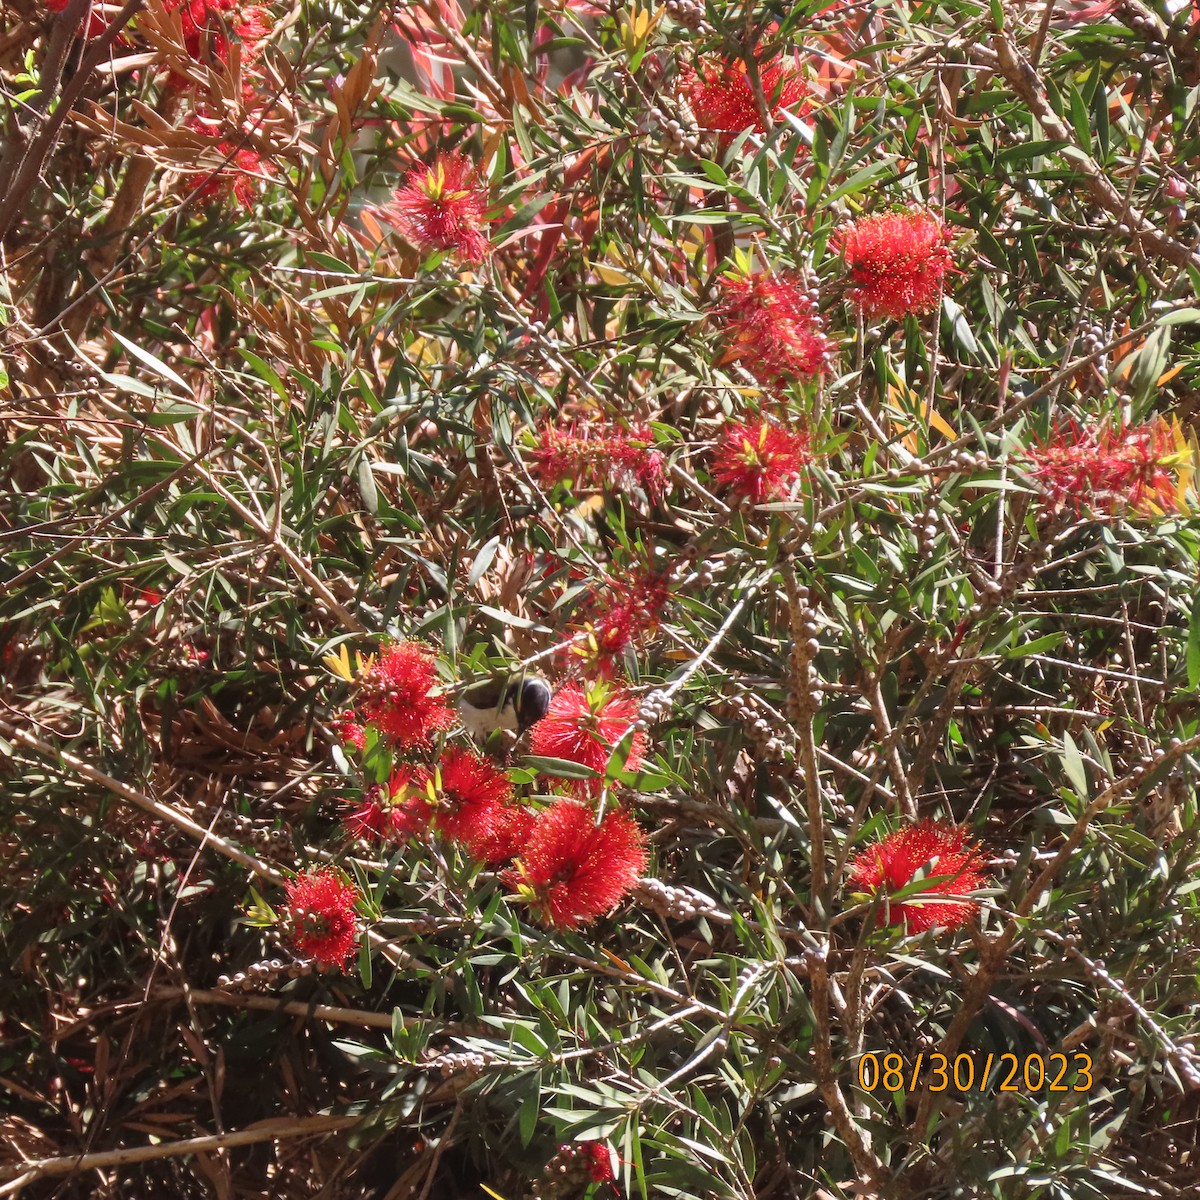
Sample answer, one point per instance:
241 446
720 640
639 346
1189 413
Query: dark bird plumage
512 702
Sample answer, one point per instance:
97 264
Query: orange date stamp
976 1072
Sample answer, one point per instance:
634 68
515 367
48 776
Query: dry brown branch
266 1131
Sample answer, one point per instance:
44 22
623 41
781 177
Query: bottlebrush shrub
897 261
441 207
1110 467
586 726
320 917
841 487
773 328
722 95
924 861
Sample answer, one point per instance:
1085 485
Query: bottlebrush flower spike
772 328
473 795
97 21
722 99
897 261
212 20
760 460
398 695
1111 469
441 207
634 460
584 727
598 1158
624 611
320 911
595 455
351 731
935 849
241 173
395 812
507 836
573 870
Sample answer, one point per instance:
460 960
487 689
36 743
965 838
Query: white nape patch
481 723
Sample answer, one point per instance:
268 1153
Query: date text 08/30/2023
976 1072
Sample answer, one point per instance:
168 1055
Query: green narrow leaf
483 560
156 365
1100 117
559 768
1073 765
1080 120
531 1107
264 371
1193 645
366 485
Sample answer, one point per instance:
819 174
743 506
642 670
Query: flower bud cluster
756 725
679 903
680 137
468 1063
260 974
265 839
655 706
690 15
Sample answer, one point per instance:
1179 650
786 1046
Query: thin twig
265 1131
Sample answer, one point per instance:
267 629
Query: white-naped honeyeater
508 703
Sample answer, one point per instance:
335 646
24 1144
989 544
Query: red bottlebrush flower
320 910
236 180
599 454
209 23
393 813
473 794
441 208
598 1159
898 261
760 460
561 454
212 20
239 167
772 327
397 696
722 100
504 838
936 849
633 460
573 870
351 731
623 612
97 22
254 25
584 728
1110 469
